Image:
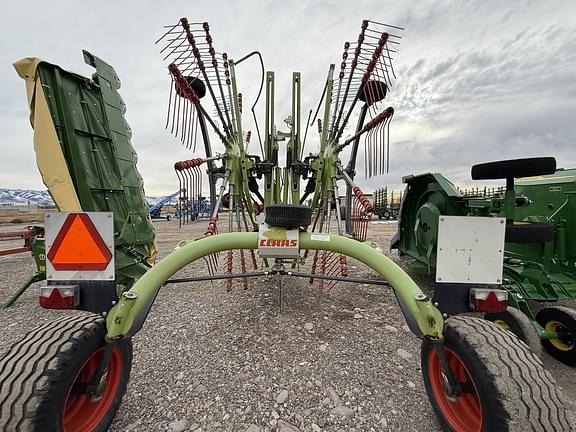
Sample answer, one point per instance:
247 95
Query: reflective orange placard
79 246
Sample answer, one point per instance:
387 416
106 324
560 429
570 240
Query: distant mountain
25 197
43 198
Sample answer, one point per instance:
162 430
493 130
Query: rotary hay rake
198 71
71 374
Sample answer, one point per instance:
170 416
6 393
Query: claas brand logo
277 238
278 243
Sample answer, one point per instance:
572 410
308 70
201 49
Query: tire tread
28 368
527 390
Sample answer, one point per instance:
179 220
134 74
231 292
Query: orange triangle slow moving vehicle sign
79 246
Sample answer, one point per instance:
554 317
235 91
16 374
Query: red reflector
57 298
491 301
79 246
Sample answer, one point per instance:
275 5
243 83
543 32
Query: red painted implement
27 235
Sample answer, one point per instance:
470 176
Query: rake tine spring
169 103
194 185
172 27
184 121
179 198
365 157
191 68
178 116
195 195
195 139
374 139
191 126
182 41
377 151
229 268
376 147
184 192
184 198
193 130
189 193
384 69
243 268
387 25
343 265
390 61
199 185
388 143
385 138
174 108
369 152
198 188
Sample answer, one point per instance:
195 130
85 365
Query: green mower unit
539 258
71 374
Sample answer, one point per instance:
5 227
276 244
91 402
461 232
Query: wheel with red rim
463 412
64 356
503 385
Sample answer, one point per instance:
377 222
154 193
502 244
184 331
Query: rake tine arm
353 66
206 28
369 70
188 93
382 117
197 55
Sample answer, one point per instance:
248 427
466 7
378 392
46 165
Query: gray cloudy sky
476 80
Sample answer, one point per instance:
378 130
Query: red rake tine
229 268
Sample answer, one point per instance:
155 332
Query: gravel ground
208 360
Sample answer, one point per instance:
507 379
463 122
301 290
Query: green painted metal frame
134 303
537 272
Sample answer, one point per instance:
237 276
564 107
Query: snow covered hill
42 198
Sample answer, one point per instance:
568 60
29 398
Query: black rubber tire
168 218
566 317
529 233
37 373
520 325
514 168
288 215
515 392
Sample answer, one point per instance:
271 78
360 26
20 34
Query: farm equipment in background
33 238
156 209
89 363
539 259
386 205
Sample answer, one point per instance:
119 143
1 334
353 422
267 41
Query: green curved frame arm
423 318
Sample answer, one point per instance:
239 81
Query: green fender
423 318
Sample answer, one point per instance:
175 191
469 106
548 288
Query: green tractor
539 257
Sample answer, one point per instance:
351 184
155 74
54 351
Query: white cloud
477 80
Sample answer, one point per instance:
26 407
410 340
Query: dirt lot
17 215
216 361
